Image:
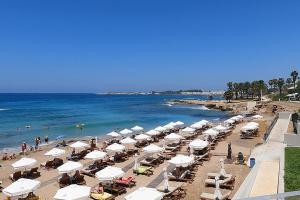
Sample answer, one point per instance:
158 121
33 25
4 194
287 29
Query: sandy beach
49 178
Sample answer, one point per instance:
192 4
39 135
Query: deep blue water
58 114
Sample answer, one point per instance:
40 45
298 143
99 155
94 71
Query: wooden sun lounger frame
227 183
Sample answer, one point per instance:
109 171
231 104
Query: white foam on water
3 109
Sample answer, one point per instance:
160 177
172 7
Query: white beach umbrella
229 121
126 131
173 137
236 119
24 163
240 116
172 124
181 160
114 134
168 127
211 132
188 130
55 152
166 180
198 144
142 136
253 123
179 124
152 132
152 148
69 167
115 147
144 193
73 192
137 129
109 173
217 194
197 125
79 144
21 187
257 117
96 155
127 141
220 128
160 129
249 127
204 122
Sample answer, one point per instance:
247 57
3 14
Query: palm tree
289 81
280 84
241 89
275 83
247 86
236 89
230 86
228 95
271 83
294 75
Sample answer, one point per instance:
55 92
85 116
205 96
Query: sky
134 45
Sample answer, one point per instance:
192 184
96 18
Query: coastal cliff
234 106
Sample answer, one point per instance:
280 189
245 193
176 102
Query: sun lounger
128 182
203 157
167 155
15 176
64 181
78 179
184 177
131 152
33 173
225 183
47 165
176 194
120 157
57 162
213 175
115 189
78 156
93 168
141 144
209 196
103 196
144 170
152 162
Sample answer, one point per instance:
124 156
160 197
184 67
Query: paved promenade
266 177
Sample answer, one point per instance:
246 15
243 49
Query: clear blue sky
108 45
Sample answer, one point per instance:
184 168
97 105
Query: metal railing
268 131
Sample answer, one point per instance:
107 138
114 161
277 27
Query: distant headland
170 92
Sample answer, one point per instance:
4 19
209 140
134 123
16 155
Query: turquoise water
56 115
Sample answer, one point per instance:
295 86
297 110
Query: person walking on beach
24 147
39 139
36 143
46 139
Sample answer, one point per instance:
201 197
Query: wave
200 108
196 107
3 109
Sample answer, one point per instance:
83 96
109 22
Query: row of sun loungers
66 180
32 173
52 164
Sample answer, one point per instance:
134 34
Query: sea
26 116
